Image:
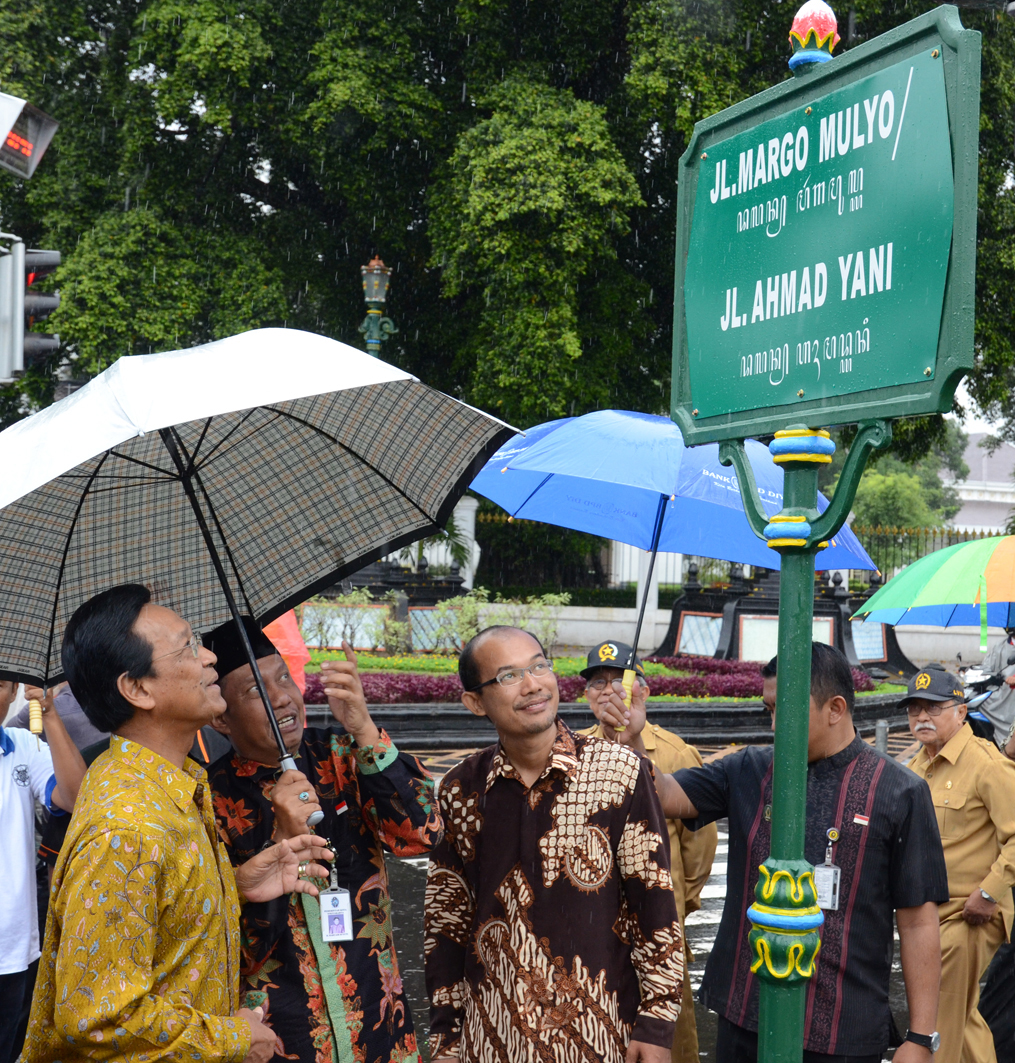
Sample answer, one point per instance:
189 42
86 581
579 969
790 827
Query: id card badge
826 876
826 883
336 914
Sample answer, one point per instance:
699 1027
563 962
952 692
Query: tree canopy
226 164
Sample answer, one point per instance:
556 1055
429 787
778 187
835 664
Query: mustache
925 727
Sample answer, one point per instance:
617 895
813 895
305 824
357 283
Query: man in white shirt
30 771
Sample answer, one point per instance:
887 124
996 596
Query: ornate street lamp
376 328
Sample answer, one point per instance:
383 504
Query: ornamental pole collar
814 34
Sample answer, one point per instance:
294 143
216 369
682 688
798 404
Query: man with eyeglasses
972 785
551 930
691 852
142 949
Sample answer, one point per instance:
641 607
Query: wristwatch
987 897
924 1040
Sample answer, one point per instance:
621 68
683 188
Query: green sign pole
785 917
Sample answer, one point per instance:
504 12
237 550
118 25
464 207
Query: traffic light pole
785 917
21 347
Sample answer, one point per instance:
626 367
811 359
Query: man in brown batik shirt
551 927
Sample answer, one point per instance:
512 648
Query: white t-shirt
26 775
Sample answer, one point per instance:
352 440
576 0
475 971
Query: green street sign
826 241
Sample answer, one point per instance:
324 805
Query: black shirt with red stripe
889 850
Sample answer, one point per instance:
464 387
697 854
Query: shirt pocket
951 812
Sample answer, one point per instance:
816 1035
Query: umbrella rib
196 477
144 464
359 457
191 474
200 439
216 448
63 559
538 487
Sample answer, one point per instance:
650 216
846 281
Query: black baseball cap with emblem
933 684
610 655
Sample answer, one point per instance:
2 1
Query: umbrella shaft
174 446
660 513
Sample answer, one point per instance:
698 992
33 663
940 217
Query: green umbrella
961 585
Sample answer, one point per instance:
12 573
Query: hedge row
387 688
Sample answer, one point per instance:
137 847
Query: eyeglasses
195 644
514 676
933 710
602 684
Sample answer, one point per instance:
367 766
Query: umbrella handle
628 683
287 763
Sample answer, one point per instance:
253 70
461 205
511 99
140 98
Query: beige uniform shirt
691 851
972 785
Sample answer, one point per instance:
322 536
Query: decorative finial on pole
813 36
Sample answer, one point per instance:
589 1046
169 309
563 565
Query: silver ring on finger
302 870
304 796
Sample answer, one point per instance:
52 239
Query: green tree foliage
908 491
541 173
892 500
223 164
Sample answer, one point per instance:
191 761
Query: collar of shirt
179 783
839 760
246 768
6 743
952 749
563 758
648 736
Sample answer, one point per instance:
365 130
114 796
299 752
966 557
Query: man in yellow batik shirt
691 852
972 785
141 954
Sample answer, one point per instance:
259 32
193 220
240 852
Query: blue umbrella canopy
609 472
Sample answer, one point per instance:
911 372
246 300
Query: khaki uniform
972 785
691 855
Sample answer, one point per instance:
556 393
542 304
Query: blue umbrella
615 473
628 476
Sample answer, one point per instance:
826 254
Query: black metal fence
893 548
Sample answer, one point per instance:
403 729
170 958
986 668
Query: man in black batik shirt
889 850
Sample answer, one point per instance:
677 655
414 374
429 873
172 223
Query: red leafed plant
412 688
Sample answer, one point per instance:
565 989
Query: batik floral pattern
551 932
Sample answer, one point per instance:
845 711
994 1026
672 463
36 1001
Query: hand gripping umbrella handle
629 675
286 763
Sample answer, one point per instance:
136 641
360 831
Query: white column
465 521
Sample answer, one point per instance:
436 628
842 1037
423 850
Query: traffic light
38 306
26 133
20 308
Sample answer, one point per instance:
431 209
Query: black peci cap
224 641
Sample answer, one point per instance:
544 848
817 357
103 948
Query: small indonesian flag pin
862 821
341 807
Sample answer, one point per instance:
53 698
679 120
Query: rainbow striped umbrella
965 584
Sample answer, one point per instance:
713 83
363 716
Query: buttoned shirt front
141 956
972 785
26 776
550 926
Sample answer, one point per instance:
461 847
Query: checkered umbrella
238 477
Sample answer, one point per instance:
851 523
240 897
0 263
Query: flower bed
406 688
